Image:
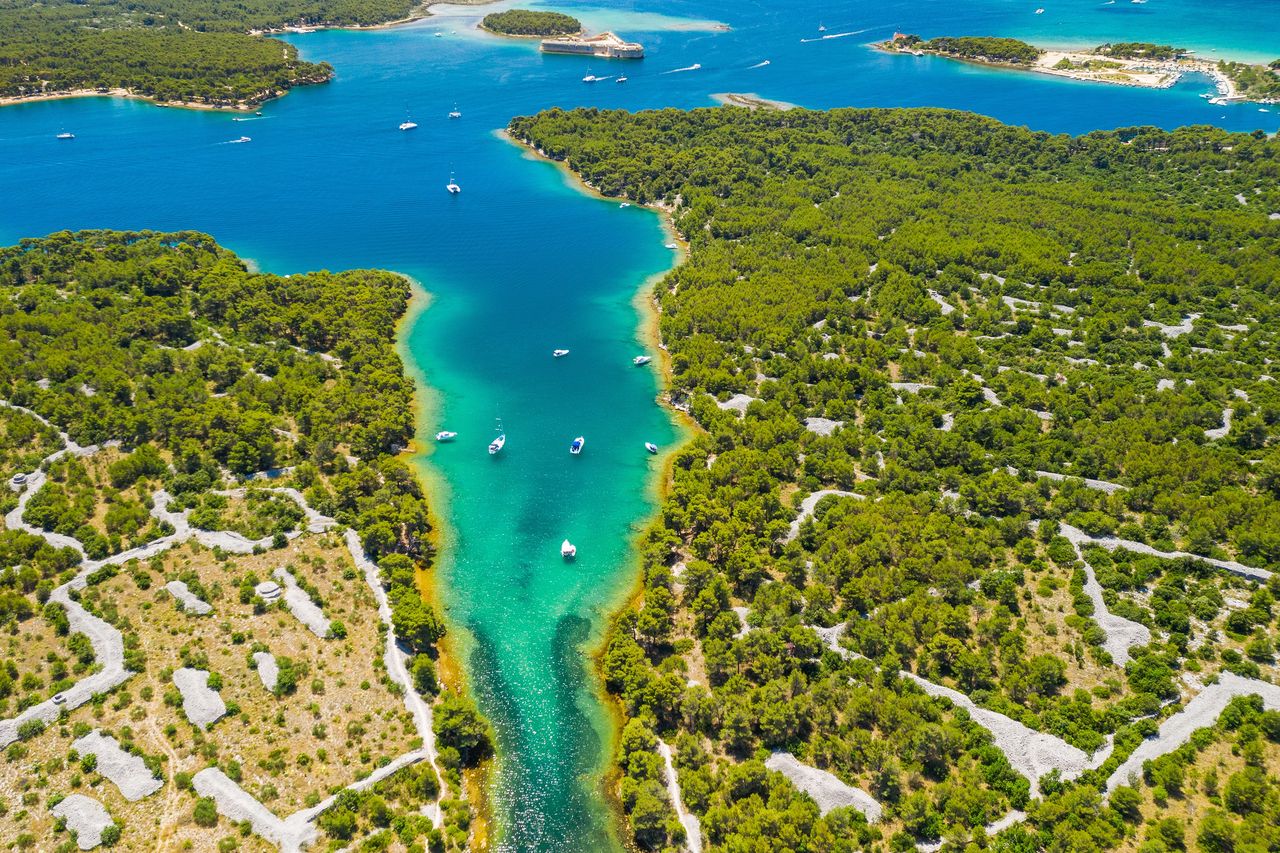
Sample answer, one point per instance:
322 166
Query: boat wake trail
694 67
830 36
758 65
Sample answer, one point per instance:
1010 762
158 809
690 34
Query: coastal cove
526 260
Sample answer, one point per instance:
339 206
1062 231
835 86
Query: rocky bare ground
128 772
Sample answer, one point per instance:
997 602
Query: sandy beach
1083 64
751 101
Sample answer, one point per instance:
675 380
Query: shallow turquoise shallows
521 263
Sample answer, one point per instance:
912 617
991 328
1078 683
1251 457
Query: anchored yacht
446 435
641 359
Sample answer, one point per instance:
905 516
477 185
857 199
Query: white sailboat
499 442
452 186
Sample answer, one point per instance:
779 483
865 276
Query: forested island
171 51
524 22
984 48
205 507
975 544
1143 64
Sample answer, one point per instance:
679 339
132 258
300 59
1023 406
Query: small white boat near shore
641 360
559 353
446 435
651 447
568 550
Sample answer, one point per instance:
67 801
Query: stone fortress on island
604 46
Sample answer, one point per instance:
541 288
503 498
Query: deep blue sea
521 262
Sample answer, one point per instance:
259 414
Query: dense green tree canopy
928 309
525 22
169 50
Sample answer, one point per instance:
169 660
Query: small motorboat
625 204
241 140
641 359
446 435
66 135
822 28
651 447
622 79
559 353
497 444
672 246
258 113
575 447
455 113
439 35
408 125
1039 11
591 78
568 550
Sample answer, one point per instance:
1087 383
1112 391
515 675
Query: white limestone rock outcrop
85 818
125 770
202 705
268 669
301 605
190 602
828 791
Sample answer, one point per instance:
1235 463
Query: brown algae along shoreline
451 647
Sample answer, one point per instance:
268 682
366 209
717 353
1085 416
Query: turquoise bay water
521 263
